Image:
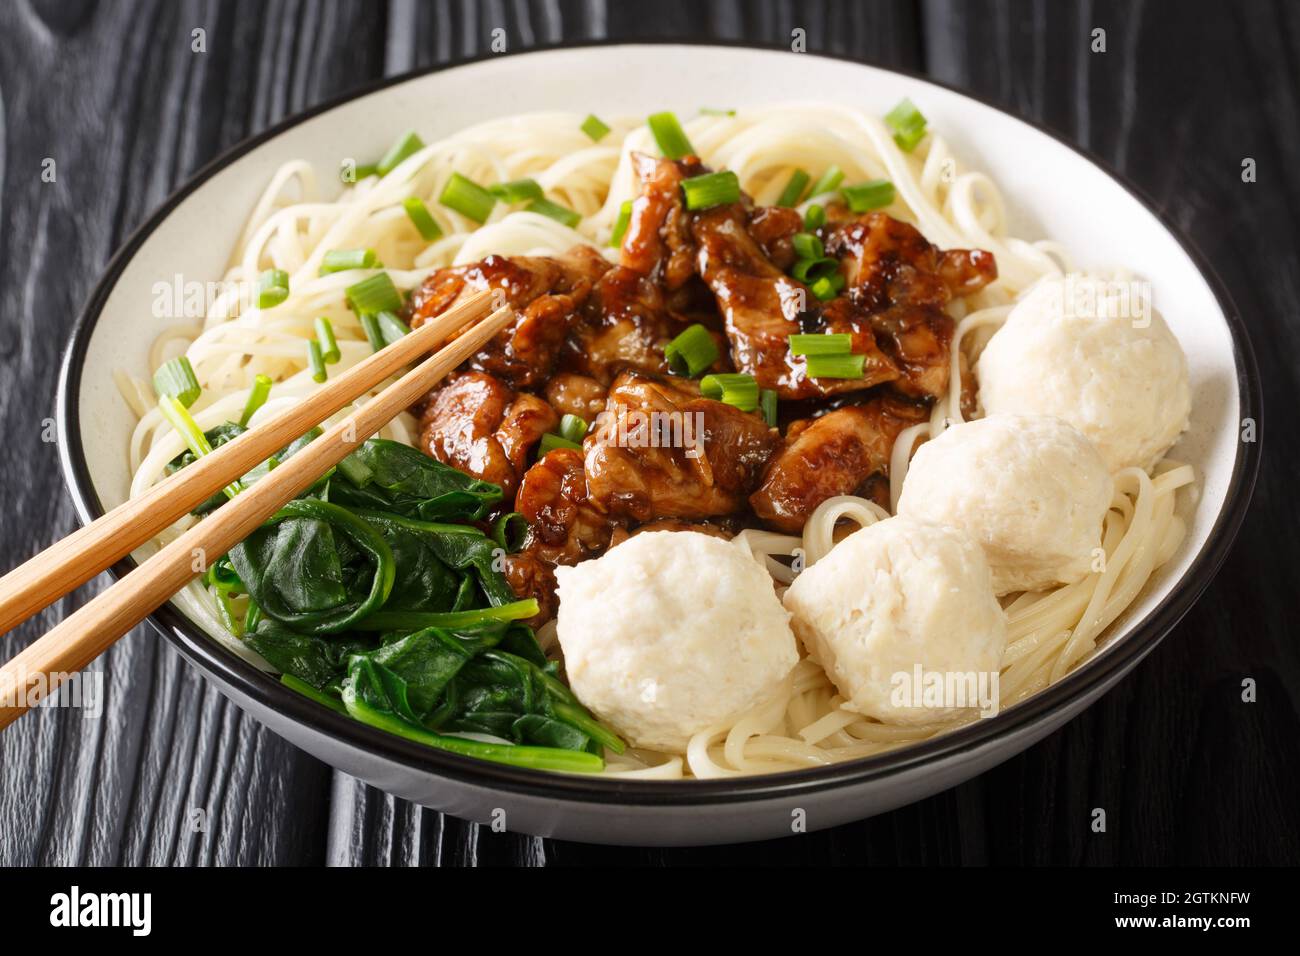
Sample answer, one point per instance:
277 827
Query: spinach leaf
226 432
315 567
403 480
318 660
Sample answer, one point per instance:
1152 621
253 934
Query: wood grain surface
172 773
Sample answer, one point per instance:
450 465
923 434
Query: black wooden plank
115 96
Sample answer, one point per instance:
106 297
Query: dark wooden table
113 94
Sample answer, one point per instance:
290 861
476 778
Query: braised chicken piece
662 451
889 263
563 527
572 394
658 241
479 425
625 323
836 454
545 292
723 528
763 307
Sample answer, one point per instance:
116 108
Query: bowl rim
268 692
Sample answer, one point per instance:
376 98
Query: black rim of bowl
267 691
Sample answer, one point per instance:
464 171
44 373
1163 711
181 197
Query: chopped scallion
670 136
272 288
874 194
517 190
329 346
339 260
907 123
374 335
551 442
767 403
573 428
510 531
468 198
807 246
391 327
829 180
810 270
711 189
374 294
712 111
814 218
830 344
827 287
554 210
408 145
793 191
594 128
691 352
419 214
176 379
184 424
316 361
835 366
257 396
620 224
731 388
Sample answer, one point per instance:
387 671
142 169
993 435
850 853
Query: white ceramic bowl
1052 190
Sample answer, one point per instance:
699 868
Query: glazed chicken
479 425
546 294
660 450
836 454
589 340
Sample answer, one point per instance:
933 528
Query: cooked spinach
373 594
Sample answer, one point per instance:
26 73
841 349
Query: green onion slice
316 361
517 190
767 403
408 145
670 136
468 198
561 214
419 214
176 379
828 181
339 260
827 287
374 335
692 352
731 388
329 346
391 327
807 246
814 218
272 288
711 189
257 396
551 442
594 127
180 419
838 343
714 111
810 270
907 123
835 366
573 428
874 194
374 294
620 224
793 191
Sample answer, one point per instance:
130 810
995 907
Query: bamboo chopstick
74 560
42 667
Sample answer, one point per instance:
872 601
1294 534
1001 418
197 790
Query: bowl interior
1051 192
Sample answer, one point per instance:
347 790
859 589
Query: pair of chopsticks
41 667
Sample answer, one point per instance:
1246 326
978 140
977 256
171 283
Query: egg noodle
293 225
